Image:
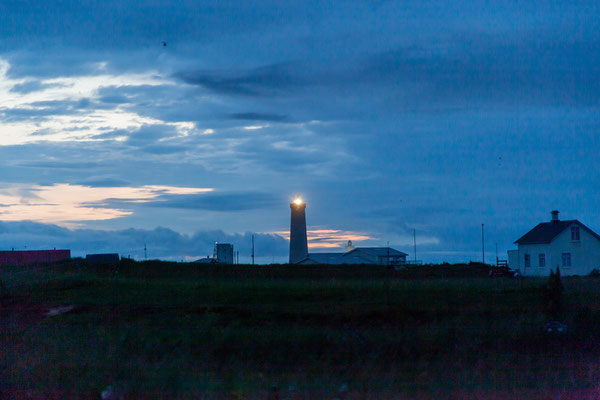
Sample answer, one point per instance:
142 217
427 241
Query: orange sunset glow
329 238
67 205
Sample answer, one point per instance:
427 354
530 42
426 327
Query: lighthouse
298 240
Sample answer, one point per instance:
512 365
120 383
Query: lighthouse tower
298 241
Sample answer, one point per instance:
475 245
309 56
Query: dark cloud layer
161 243
31 86
221 202
486 71
266 80
253 116
227 202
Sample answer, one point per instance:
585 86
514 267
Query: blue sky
385 116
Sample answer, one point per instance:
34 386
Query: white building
359 255
224 253
570 245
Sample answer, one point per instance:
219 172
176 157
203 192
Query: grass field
177 330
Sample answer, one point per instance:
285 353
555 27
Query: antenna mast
496 253
482 246
252 249
415 243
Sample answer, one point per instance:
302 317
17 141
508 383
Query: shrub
3 291
552 293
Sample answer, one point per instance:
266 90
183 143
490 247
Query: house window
542 260
527 261
575 233
566 259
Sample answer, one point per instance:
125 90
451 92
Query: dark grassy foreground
174 330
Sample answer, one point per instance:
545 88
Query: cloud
266 80
164 149
103 182
69 205
32 86
330 238
67 108
43 111
215 201
149 134
253 116
62 164
161 243
114 99
482 70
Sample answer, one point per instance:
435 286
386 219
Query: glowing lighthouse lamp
298 239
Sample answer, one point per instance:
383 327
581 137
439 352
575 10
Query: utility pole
252 249
387 282
482 245
145 252
496 254
415 243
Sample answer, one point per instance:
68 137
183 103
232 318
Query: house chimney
554 216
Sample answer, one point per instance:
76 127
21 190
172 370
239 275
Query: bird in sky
164 44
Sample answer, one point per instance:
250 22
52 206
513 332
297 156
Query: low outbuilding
359 255
27 257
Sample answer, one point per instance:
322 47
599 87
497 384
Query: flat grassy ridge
190 331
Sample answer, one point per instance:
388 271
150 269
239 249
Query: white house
570 245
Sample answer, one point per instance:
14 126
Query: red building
32 256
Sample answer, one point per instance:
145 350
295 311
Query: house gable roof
545 232
378 251
355 256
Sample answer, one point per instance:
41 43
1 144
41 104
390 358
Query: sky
178 124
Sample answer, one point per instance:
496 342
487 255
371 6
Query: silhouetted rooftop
359 255
379 251
545 232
